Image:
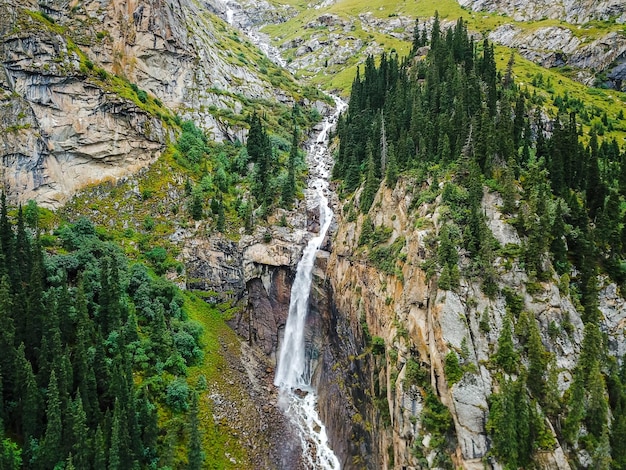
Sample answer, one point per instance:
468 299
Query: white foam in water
293 371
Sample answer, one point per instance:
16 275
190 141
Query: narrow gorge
297 361
267 235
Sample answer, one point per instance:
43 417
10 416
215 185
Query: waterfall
293 371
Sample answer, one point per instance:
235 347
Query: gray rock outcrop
72 111
572 11
557 46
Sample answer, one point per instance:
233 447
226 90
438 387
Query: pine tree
289 187
7 335
69 463
618 436
557 247
435 32
595 189
506 357
391 174
538 361
29 397
367 231
417 37
518 121
261 153
444 282
52 449
488 73
371 184
502 424
23 256
509 190
621 177
6 234
195 455
586 394
149 429
84 375
551 403
196 206
6 237
255 144
383 145
115 458
596 408
79 441
99 462
35 309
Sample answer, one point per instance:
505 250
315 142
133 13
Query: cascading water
293 371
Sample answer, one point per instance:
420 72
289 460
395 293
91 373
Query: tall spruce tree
51 450
195 456
371 184
289 186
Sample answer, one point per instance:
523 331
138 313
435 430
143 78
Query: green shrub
148 223
415 374
452 368
177 395
385 257
378 346
157 257
142 95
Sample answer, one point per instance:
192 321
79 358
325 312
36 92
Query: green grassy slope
554 82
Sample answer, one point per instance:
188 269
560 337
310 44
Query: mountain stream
297 397
293 374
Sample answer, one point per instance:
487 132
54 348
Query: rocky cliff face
572 11
558 46
86 87
62 129
255 273
420 325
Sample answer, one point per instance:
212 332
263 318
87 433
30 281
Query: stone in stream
300 393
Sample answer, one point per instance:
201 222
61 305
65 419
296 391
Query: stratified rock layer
419 322
71 109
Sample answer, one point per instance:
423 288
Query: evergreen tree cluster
267 180
447 109
452 108
88 345
239 182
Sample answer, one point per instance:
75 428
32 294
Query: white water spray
294 371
